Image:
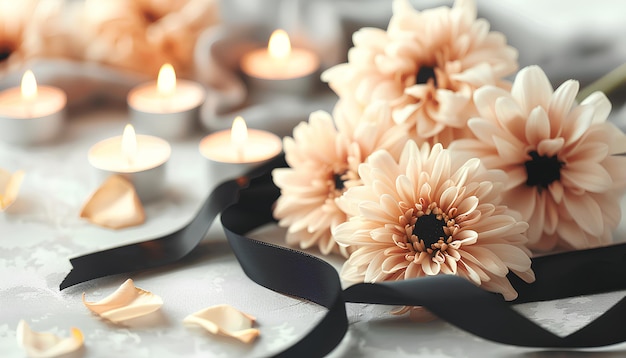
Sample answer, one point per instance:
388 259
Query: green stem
607 83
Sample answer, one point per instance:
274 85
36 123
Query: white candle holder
171 115
32 122
273 105
281 68
147 172
223 161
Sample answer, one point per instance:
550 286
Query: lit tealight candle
31 114
231 153
279 66
140 158
167 107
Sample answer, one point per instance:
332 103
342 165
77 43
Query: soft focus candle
279 66
31 114
231 153
167 107
140 158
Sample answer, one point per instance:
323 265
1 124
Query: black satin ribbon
298 274
153 253
166 249
451 298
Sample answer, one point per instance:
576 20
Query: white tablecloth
42 230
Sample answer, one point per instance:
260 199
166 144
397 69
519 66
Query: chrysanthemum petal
531 88
560 104
510 116
537 126
550 147
508 152
602 106
585 212
577 123
485 99
587 176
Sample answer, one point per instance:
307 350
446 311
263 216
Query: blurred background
125 41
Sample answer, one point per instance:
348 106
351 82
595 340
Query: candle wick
240 153
165 102
29 103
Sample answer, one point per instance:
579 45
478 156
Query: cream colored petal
509 151
578 122
426 126
592 151
450 105
551 210
511 117
537 126
9 187
561 103
488 260
602 106
484 130
45 344
571 233
114 205
373 272
588 176
125 303
536 218
225 320
477 76
502 286
394 263
513 257
585 211
532 88
517 176
485 99
416 313
550 147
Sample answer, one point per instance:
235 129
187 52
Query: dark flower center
429 229
425 73
5 52
339 182
150 16
542 170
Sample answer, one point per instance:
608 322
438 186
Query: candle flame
129 144
166 82
29 86
279 46
239 132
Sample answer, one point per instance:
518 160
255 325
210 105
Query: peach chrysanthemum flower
563 178
427 64
31 29
428 214
142 35
323 156
15 14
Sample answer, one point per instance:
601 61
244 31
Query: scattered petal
45 344
114 205
125 303
9 187
227 321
